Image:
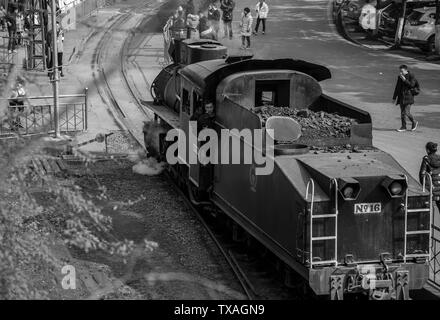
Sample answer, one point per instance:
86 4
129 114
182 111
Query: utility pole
437 27
400 25
56 78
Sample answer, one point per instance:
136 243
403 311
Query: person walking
431 165
262 10
246 28
406 87
214 19
227 7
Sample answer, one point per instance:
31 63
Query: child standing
246 28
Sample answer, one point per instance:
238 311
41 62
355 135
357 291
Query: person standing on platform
227 7
214 19
246 28
19 22
205 29
192 25
12 30
431 165
262 10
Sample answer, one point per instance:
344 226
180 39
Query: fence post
86 90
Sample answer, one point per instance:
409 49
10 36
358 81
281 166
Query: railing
434 272
434 265
35 115
6 58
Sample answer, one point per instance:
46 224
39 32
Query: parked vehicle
420 29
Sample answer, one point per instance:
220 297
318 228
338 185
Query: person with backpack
431 165
227 7
406 88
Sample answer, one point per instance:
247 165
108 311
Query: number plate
361 208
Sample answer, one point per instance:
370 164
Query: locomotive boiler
351 221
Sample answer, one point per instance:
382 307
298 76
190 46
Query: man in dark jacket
431 165
227 6
404 96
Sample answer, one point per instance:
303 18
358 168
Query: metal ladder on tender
311 185
426 231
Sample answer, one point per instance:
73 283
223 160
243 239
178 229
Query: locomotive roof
207 74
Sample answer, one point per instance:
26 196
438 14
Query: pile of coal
314 125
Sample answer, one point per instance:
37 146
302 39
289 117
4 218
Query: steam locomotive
348 223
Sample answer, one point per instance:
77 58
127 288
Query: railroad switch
100 138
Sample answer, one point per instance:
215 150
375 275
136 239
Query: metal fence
35 115
6 58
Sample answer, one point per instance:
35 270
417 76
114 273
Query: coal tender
339 214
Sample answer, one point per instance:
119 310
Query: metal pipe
86 124
335 182
312 183
437 27
400 26
55 70
431 216
406 222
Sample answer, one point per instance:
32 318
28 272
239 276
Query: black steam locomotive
346 222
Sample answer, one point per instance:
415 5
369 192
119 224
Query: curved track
109 70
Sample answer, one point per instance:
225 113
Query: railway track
113 44
123 104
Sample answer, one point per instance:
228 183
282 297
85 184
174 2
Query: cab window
275 93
